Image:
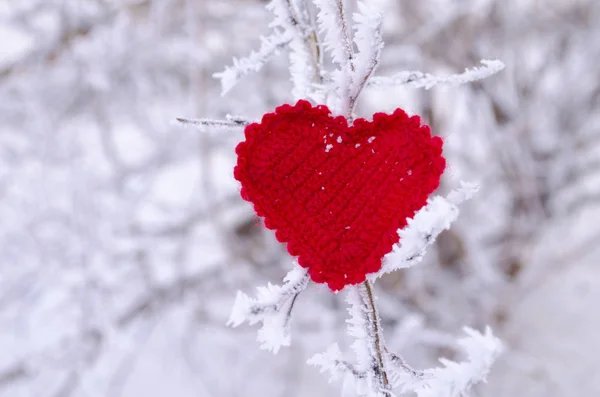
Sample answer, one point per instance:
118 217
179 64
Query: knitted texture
337 194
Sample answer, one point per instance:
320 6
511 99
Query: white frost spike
337 42
281 14
456 379
287 31
282 17
336 35
301 67
427 81
423 229
369 43
331 360
272 306
364 326
301 70
466 192
270 46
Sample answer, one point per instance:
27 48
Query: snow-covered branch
455 379
365 325
377 370
290 18
338 42
333 361
270 46
398 369
369 374
333 25
290 29
369 42
424 228
272 307
425 80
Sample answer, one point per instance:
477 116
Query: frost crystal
369 42
290 19
455 379
289 30
336 41
332 24
272 307
367 376
427 81
424 228
270 46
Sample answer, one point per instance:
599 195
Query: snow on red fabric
337 194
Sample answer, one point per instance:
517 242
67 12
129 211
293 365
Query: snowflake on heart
337 194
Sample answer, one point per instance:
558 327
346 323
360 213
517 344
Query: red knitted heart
337 194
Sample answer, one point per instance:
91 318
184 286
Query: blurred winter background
123 239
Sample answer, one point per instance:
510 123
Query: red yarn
337 194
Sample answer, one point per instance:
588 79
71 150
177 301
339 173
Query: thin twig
425 80
309 32
317 57
361 85
347 42
374 318
347 367
295 16
400 362
201 123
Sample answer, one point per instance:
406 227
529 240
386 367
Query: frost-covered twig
333 25
427 81
231 122
289 29
289 17
369 373
398 365
337 41
333 361
424 228
455 379
272 307
369 43
270 46
374 333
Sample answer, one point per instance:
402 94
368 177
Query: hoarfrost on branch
272 307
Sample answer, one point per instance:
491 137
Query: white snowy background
123 239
